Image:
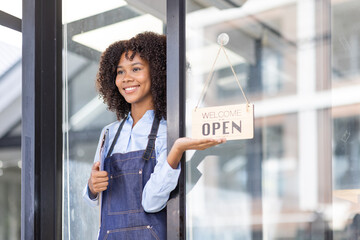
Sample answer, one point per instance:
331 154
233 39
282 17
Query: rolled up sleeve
88 198
162 181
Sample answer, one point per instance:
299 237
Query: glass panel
86 34
299 177
13 7
10 133
346 119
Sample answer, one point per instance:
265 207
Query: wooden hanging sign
231 122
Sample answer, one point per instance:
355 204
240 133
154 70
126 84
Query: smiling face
133 81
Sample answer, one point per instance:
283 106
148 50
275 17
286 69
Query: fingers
98 183
96 166
205 145
100 187
99 180
202 144
211 141
99 174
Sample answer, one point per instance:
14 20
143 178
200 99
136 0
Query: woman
136 176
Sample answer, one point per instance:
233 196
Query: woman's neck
138 112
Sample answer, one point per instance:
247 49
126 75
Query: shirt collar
149 115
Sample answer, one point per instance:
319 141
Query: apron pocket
143 233
125 192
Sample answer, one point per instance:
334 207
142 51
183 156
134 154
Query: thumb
96 166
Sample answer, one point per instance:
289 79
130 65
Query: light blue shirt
164 178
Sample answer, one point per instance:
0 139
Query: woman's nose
127 77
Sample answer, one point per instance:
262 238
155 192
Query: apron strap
116 137
152 137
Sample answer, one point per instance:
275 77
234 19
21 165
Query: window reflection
346 153
13 8
298 178
346 40
10 131
86 34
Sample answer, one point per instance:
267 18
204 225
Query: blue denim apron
122 215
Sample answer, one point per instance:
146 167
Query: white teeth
130 88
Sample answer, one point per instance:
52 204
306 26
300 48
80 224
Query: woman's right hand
98 180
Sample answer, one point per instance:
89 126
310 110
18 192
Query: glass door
10 119
89 28
298 178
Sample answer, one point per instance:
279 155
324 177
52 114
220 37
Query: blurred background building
298 62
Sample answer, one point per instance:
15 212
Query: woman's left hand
186 143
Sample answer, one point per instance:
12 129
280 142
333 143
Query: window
298 177
10 124
87 34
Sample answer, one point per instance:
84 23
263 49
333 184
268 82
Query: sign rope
210 75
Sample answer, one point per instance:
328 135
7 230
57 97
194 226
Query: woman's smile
133 80
132 89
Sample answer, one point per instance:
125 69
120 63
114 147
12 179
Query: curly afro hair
150 47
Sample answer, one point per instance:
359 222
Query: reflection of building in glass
86 38
10 133
296 178
87 32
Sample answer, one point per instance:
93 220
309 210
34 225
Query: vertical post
324 116
175 30
307 119
256 69
41 177
323 75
